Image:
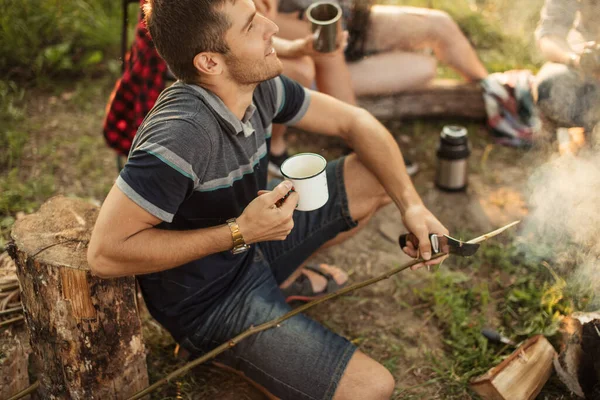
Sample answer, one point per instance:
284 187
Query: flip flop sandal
301 289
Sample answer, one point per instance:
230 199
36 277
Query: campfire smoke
563 226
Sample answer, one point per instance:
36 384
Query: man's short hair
180 29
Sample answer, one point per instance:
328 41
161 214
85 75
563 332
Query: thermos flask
452 155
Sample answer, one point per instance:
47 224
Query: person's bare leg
332 74
302 70
365 197
334 77
391 72
364 378
412 28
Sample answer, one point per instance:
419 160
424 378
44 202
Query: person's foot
314 281
319 281
275 163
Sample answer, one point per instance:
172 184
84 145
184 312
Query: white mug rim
307 177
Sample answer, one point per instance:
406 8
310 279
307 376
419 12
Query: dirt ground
376 318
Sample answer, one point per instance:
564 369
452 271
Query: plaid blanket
510 107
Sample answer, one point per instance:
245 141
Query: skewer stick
492 234
276 323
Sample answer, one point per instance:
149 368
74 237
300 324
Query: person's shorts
300 359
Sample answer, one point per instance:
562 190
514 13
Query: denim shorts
300 359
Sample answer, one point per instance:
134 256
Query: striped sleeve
292 101
158 178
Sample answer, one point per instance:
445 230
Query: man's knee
365 378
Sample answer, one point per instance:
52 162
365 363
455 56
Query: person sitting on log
568 86
384 53
190 217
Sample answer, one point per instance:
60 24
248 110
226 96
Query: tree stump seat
85 332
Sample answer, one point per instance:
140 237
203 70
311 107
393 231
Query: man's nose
271 28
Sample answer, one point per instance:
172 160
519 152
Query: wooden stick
9 287
271 324
11 321
277 322
27 391
10 310
492 234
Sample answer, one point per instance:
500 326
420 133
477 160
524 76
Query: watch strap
239 245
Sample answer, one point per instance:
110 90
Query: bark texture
442 98
85 332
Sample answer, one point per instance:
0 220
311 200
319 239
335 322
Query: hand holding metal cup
325 19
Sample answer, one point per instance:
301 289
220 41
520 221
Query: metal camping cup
325 18
452 155
308 175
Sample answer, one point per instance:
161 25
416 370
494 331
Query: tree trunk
441 98
85 332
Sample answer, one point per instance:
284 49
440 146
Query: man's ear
208 63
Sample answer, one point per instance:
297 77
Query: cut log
521 376
441 98
14 361
84 331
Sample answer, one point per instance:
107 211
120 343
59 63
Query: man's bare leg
335 78
365 197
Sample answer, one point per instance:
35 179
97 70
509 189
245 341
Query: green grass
529 304
48 38
12 114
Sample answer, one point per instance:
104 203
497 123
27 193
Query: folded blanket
510 107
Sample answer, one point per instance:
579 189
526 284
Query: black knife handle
411 237
492 335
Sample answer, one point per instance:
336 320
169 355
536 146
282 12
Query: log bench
441 98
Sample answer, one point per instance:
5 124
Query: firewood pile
578 364
9 287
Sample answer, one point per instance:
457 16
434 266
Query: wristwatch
239 246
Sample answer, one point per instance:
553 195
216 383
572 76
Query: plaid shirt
135 92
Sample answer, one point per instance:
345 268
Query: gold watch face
240 249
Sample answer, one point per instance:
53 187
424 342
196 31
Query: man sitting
208 249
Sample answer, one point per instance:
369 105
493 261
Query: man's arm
125 241
378 151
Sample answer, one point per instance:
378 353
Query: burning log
578 364
521 376
84 331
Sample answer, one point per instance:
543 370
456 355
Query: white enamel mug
307 172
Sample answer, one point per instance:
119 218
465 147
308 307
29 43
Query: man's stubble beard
245 73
